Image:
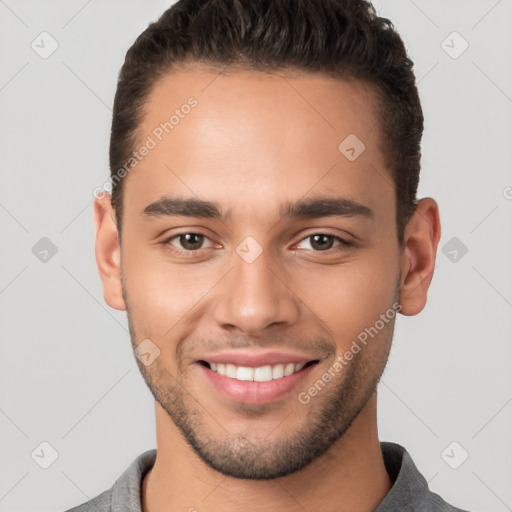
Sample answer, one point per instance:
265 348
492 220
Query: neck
350 476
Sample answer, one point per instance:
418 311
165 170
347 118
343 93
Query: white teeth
299 366
278 371
244 373
231 371
261 374
289 369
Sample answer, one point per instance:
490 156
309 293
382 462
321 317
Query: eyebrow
311 208
316 207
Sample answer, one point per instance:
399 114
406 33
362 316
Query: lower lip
251 392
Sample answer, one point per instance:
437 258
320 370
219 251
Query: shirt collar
409 486
127 490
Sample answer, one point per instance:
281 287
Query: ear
108 252
418 257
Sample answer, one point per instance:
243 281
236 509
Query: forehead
249 137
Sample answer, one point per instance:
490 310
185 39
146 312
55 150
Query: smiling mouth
264 373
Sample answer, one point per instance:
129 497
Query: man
262 234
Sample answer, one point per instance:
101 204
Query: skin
253 141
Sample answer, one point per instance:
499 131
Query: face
254 248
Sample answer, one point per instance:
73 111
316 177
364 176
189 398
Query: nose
255 296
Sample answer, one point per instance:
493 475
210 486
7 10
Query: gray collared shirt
409 493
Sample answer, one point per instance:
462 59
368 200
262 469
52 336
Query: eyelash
182 252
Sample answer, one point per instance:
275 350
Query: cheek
351 297
162 294
346 297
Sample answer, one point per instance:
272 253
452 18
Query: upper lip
255 359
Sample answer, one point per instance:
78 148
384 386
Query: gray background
67 374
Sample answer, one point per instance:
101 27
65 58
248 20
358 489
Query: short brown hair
341 38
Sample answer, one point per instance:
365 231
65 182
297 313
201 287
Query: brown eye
321 242
191 241
184 243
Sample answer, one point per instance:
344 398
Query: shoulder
410 491
125 494
100 503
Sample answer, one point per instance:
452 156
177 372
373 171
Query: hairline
189 64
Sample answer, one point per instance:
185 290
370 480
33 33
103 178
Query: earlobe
419 256
108 252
